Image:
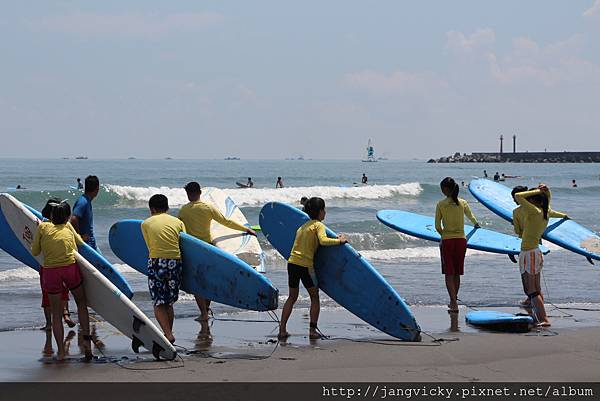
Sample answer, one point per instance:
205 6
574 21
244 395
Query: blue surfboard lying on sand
423 227
207 270
499 321
11 244
565 233
344 275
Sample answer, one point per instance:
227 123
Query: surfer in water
536 212
485 175
279 183
249 183
303 201
496 177
449 223
197 217
47 214
83 213
79 184
364 179
161 234
300 267
58 243
574 184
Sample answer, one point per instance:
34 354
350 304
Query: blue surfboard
344 275
207 270
14 247
424 227
565 233
499 321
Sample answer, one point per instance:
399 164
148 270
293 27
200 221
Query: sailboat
370 153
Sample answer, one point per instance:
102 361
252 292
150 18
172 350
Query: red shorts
453 256
45 300
56 279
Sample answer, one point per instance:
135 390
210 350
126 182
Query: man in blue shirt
83 214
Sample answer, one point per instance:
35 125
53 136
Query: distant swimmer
364 179
574 184
19 187
303 200
485 174
79 184
502 178
249 183
462 183
279 183
496 176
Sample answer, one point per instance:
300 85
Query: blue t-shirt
83 210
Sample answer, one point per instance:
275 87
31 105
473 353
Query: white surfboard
102 295
242 245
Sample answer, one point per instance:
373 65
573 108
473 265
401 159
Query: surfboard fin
156 350
512 258
137 323
590 260
135 344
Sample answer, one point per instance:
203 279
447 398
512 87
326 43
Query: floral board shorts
164 279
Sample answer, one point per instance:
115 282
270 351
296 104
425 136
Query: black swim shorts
300 273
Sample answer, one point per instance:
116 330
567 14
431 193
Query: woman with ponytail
309 237
449 223
535 205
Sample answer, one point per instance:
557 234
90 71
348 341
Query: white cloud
593 10
458 42
549 65
129 25
398 82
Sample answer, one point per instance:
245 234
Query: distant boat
168 158
232 158
131 158
370 153
81 158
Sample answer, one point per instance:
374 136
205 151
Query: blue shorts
164 279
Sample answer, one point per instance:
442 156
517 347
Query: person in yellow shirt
518 226
58 243
300 267
47 214
161 233
536 211
197 217
449 223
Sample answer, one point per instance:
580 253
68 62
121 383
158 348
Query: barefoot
314 335
68 321
283 335
171 338
60 356
545 323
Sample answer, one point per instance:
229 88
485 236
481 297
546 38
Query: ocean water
410 265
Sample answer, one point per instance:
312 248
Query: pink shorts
56 279
45 300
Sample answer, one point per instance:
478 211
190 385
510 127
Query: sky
272 79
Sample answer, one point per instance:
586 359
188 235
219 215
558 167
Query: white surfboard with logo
242 245
102 295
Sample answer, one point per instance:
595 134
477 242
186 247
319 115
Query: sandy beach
248 351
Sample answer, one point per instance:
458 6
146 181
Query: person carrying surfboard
58 243
197 217
536 212
450 223
83 214
47 214
161 234
518 225
300 266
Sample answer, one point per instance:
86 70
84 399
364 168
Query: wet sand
248 351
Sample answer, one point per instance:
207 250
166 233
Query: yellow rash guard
308 238
451 216
161 233
532 219
58 243
197 217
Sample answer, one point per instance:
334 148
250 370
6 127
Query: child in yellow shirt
58 243
161 233
300 267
